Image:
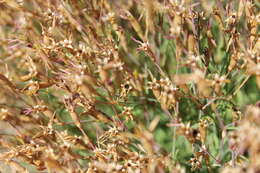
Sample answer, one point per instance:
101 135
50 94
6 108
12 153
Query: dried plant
129 86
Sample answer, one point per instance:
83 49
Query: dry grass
147 86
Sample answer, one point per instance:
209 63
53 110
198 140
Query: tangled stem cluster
148 86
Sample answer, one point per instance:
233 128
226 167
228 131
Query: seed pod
31 88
